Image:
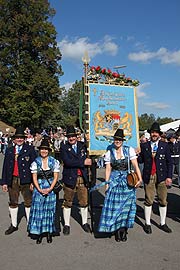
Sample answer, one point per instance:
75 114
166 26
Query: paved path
159 251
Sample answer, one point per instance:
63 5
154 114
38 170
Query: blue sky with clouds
143 35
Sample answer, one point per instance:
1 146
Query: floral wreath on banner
105 74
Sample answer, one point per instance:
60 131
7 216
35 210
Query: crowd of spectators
35 136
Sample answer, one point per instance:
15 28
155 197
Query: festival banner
111 107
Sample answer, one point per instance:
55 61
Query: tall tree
29 62
145 121
70 104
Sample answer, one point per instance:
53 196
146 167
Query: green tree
164 120
29 63
70 104
145 121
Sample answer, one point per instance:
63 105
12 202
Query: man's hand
168 181
137 150
88 162
31 187
5 188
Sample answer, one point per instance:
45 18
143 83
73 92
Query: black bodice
45 174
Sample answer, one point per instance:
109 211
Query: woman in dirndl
118 213
45 172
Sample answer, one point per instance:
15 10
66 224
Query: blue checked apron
42 213
120 201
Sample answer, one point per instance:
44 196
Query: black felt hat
70 131
155 127
119 134
44 145
19 133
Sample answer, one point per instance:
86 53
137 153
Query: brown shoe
11 229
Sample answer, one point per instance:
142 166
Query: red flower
103 71
98 68
92 68
115 75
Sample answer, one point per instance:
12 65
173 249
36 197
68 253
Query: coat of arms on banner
106 124
111 107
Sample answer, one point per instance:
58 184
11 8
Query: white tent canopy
172 125
164 128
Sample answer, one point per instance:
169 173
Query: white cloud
165 56
157 105
109 46
67 85
75 49
140 92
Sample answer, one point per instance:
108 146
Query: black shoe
39 240
117 236
11 229
123 236
66 230
86 228
147 229
49 238
165 228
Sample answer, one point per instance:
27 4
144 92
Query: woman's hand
45 191
106 188
138 184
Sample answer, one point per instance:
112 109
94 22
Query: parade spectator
119 208
29 139
1 143
74 156
157 175
6 142
163 137
16 176
45 171
57 143
37 141
174 146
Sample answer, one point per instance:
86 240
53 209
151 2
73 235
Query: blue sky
143 35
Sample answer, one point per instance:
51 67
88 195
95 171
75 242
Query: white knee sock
27 210
13 214
147 213
67 214
163 211
84 214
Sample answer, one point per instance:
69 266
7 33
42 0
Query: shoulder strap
38 163
126 154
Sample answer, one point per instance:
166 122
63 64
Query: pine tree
29 63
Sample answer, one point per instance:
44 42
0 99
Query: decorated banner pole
85 95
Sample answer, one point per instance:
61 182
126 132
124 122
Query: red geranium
115 75
103 71
98 68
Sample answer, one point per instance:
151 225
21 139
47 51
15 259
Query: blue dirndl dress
43 208
119 208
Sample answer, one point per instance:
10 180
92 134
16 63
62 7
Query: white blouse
132 155
56 167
